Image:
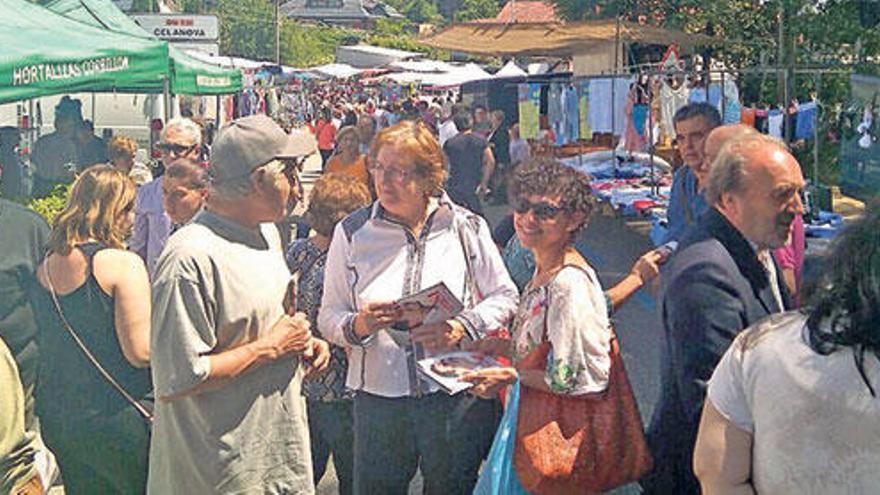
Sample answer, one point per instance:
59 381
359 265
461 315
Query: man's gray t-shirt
217 286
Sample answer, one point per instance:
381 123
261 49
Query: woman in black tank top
100 440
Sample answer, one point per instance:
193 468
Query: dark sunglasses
542 210
176 149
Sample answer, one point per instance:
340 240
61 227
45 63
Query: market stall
188 74
45 53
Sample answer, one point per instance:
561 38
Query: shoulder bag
579 444
143 409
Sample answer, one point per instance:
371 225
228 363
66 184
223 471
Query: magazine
434 304
445 369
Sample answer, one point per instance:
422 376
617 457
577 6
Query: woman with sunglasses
103 296
410 239
563 303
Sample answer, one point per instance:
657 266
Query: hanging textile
607 106
731 110
671 100
806 121
747 116
585 130
571 113
775 119
555 111
528 96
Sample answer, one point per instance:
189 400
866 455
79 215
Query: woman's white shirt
815 425
374 259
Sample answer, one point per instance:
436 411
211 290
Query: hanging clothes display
671 100
775 119
747 116
272 106
555 114
585 130
636 116
607 107
731 112
571 113
529 100
806 120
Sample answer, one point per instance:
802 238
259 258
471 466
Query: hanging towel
775 120
806 121
747 116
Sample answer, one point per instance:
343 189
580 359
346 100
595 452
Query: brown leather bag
579 444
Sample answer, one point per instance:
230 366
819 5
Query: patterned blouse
307 262
573 306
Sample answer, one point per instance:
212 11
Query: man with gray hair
180 138
721 280
227 362
692 123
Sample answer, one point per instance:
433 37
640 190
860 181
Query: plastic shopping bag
498 476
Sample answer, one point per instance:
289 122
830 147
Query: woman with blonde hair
410 239
121 152
92 294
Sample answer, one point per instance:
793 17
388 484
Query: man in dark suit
721 280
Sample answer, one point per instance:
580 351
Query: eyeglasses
392 173
176 149
542 210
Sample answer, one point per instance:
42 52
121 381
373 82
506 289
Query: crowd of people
170 336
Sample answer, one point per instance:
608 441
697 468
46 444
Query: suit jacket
712 289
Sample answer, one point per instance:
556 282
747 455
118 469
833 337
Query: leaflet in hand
445 369
432 305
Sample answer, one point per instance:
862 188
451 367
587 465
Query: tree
247 28
477 9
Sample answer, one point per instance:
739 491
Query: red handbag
579 444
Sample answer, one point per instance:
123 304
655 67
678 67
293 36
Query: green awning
188 75
44 53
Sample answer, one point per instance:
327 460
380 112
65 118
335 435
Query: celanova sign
179 27
38 73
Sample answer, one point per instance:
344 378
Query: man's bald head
720 136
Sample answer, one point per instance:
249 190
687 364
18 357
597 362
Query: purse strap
147 416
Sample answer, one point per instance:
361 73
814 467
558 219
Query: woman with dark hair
325 133
792 406
563 305
103 296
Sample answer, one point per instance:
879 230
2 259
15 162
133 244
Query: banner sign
38 73
179 27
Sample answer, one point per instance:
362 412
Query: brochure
445 369
434 304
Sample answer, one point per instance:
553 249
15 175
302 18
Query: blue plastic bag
498 476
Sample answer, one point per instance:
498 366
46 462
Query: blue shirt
686 204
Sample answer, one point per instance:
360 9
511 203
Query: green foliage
303 46
418 11
53 204
247 28
477 9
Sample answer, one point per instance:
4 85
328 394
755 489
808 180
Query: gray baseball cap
249 142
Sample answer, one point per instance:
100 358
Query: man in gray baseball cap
227 362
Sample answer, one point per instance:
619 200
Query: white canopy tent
340 71
510 69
